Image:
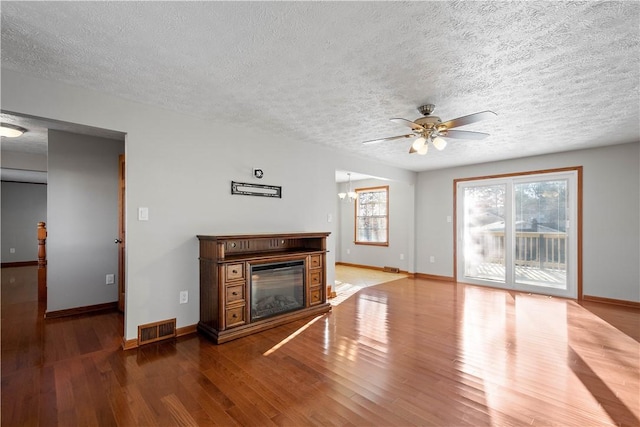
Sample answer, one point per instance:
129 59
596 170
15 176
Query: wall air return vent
157 331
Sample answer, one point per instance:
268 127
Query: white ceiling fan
431 129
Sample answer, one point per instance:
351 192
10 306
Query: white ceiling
560 75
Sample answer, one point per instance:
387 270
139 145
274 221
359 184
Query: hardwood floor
407 352
350 280
362 277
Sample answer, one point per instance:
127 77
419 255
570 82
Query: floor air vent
391 269
157 331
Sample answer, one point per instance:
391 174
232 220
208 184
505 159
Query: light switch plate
143 214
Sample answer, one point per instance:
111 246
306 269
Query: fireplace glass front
276 288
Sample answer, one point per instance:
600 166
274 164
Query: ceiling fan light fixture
342 195
419 143
430 129
11 131
439 143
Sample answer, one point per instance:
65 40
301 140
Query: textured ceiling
560 75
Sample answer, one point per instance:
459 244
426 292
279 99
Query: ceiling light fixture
11 131
430 129
352 194
421 144
439 143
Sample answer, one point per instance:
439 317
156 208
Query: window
372 216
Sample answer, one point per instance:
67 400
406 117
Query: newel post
42 261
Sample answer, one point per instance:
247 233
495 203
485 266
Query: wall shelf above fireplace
226 265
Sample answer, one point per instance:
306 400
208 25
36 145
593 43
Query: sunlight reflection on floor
349 280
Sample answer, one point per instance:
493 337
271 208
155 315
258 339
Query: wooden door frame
121 232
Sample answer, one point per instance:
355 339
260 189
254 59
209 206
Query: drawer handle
234 271
234 293
234 316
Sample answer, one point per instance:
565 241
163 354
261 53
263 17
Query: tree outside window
372 216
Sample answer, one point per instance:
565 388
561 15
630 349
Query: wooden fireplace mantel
225 279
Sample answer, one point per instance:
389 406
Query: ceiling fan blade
471 118
391 138
462 134
412 125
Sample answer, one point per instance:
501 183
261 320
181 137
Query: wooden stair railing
42 261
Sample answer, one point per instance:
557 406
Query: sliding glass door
517 233
483 235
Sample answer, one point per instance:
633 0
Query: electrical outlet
111 279
432 259
12 250
401 256
184 297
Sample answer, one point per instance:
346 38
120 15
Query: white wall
400 251
611 212
23 206
182 173
82 224
26 161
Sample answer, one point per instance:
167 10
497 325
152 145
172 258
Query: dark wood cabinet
253 282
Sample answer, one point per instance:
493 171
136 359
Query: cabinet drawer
315 277
316 261
235 316
234 271
315 296
235 293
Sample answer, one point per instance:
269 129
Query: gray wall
399 253
184 178
82 220
26 161
182 173
23 206
611 215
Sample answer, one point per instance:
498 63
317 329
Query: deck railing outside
544 250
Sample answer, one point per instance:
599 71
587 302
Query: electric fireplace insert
276 288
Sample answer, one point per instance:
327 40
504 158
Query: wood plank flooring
407 352
350 280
